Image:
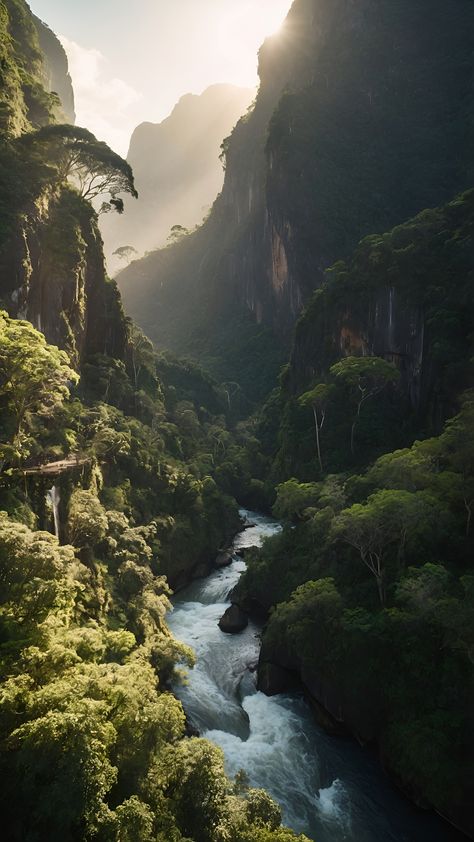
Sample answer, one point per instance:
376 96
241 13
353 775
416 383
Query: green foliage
144 461
36 575
87 524
423 271
294 497
396 658
23 100
34 379
387 518
87 162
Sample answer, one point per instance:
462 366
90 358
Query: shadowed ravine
328 788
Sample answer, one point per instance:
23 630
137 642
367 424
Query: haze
131 64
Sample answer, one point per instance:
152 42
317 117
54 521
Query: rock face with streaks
361 121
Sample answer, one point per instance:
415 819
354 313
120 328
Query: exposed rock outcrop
52 273
57 78
224 559
234 620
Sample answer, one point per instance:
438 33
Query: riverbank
328 787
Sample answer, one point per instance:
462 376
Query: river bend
328 787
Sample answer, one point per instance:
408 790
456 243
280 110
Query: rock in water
224 559
234 620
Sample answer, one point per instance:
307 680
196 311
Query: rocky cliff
56 70
405 296
51 260
52 273
177 168
362 120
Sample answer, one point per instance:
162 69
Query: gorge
303 360
328 787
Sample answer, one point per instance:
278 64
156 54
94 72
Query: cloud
104 103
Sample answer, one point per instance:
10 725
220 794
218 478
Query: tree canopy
34 377
90 164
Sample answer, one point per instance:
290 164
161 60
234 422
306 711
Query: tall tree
385 520
365 377
318 399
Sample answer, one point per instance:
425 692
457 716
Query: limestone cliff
362 120
52 273
51 259
56 69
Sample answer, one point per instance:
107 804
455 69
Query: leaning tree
92 166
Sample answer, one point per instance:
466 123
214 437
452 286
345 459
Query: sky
132 62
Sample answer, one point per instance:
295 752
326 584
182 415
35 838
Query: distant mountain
177 168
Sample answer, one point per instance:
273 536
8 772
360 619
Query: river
328 787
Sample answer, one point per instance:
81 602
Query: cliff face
53 274
405 296
373 126
51 260
56 70
177 169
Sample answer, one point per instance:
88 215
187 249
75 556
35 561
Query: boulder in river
224 559
234 620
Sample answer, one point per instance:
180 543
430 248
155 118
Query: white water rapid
327 787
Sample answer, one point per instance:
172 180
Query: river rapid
328 787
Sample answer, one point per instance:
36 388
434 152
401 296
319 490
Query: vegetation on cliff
93 745
369 587
109 491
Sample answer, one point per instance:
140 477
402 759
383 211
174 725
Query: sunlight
269 18
241 32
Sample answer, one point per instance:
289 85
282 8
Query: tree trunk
468 506
353 429
318 443
381 590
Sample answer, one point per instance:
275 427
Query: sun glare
269 18
242 31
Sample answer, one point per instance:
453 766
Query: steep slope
368 591
374 125
24 101
51 262
177 168
57 77
406 296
